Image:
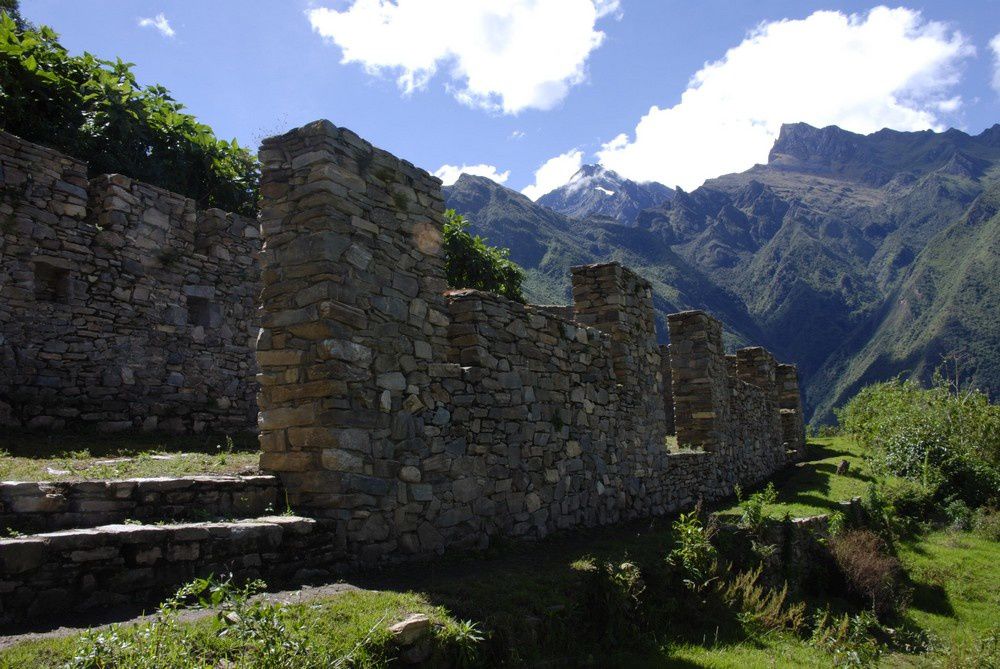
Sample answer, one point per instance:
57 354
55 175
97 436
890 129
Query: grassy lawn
73 456
814 487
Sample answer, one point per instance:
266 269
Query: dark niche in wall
52 283
201 312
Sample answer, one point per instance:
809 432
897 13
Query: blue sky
529 89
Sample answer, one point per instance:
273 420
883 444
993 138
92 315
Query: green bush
95 110
613 600
909 499
946 440
753 507
471 263
694 555
986 523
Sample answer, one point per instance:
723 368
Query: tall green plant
944 438
95 110
471 263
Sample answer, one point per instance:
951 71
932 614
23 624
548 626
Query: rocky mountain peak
597 191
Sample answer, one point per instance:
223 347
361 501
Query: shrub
694 555
762 609
946 439
753 507
471 263
959 515
986 523
870 571
613 603
909 499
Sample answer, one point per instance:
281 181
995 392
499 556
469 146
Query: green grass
956 595
73 456
351 624
814 487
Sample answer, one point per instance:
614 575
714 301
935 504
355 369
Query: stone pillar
668 389
353 315
757 366
790 405
731 366
700 387
617 301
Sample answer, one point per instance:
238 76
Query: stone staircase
74 547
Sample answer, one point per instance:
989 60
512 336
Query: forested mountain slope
855 256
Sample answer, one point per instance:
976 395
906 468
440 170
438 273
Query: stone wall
45 506
416 419
124 565
121 305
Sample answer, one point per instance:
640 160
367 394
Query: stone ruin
121 305
399 418
418 418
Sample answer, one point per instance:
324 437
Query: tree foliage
943 438
95 110
471 263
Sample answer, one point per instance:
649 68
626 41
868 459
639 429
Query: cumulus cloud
448 174
159 22
887 68
995 46
502 56
554 172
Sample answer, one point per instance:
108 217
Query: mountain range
858 257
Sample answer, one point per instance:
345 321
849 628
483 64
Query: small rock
411 629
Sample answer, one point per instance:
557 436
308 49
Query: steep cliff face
829 254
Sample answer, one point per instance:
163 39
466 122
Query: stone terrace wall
44 506
417 420
120 304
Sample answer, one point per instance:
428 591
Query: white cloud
554 172
995 46
888 68
503 56
517 134
448 174
159 22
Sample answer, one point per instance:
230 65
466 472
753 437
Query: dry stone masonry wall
416 419
121 305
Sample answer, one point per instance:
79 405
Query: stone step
46 506
53 575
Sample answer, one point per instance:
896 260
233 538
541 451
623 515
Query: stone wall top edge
97 180
197 478
618 268
463 294
56 154
324 128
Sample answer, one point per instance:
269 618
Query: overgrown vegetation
471 263
95 110
934 446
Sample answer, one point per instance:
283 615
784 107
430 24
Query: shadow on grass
542 603
27 444
931 598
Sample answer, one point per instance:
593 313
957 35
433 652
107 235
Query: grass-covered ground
814 487
74 456
536 603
